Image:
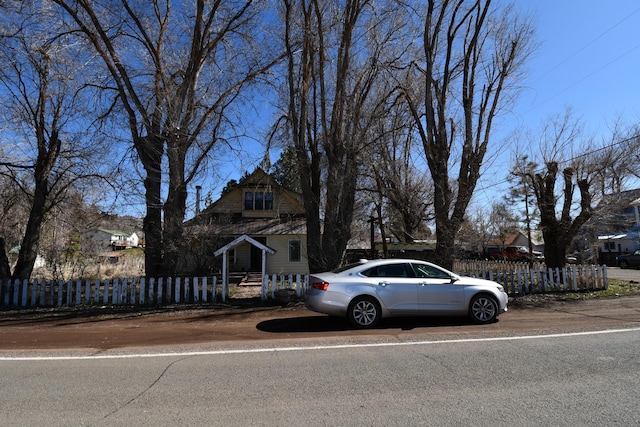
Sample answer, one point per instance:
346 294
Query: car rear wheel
364 312
483 309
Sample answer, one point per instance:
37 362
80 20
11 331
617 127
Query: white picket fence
518 279
142 291
297 282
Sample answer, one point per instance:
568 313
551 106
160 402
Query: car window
424 271
346 267
388 270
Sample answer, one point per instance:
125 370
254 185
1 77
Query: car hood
472 281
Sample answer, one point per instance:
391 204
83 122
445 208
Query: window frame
257 200
291 247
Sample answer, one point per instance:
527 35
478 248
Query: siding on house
279 262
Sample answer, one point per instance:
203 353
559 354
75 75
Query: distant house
616 223
513 239
110 240
257 226
13 258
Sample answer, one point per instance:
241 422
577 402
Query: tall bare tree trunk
5 268
471 52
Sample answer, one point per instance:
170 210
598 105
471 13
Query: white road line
308 348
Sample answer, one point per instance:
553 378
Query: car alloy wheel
483 309
364 312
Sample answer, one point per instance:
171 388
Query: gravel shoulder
106 329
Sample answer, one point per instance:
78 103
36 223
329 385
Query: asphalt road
623 274
572 379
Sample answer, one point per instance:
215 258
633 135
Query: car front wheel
364 312
624 264
483 309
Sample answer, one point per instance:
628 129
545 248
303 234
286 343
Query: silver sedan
367 291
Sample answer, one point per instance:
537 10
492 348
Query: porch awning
242 239
225 250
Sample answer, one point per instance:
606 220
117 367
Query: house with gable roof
113 240
616 223
257 226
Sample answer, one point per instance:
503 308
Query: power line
577 82
573 55
497 183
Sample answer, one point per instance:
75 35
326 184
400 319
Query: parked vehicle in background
570 259
518 253
629 260
367 291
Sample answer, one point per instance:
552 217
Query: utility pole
371 222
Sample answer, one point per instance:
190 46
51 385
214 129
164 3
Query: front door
256 254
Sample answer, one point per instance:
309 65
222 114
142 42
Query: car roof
365 263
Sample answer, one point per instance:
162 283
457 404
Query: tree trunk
150 151
174 210
558 233
338 213
31 240
5 268
310 182
152 225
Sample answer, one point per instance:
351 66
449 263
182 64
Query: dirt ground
102 329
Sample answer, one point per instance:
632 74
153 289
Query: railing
520 279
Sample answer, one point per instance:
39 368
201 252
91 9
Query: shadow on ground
338 324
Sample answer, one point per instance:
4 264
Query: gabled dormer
256 196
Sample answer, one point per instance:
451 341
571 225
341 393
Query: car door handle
383 284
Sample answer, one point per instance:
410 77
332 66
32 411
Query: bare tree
560 218
473 56
336 55
617 159
42 101
403 189
179 70
559 231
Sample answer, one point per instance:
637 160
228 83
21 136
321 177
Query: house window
294 250
248 201
268 201
258 200
610 246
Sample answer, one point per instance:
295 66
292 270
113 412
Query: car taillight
320 285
